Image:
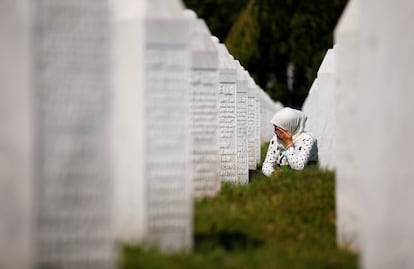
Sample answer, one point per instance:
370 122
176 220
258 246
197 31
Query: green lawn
286 221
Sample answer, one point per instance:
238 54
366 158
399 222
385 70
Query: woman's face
279 131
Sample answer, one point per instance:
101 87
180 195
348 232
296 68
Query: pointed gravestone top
201 40
349 21
328 63
190 14
215 39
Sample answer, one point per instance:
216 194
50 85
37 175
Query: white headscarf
292 120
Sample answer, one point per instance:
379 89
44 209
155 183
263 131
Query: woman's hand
285 136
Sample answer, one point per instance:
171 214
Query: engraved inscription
72 97
227 131
242 146
167 147
204 131
257 142
251 133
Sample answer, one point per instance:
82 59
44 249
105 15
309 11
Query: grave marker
347 186
242 125
204 115
227 116
251 123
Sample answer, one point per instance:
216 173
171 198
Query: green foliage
243 38
263 152
286 221
219 15
267 36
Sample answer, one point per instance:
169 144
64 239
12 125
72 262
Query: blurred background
280 42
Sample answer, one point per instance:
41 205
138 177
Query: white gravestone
347 186
55 146
273 108
204 111
152 142
384 120
17 174
129 118
168 142
227 116
321 111
242 123
69 135
312 107
72 93
268 109
257 128
272 111
251 123
263 115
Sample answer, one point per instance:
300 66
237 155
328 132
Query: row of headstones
115 115
362 105
230 114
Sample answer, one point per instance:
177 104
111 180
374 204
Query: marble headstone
384 120
227 116
151 133
204 111
17 174
168 142
72 90
152 142
55 139
347 186
257 127
267 109
263 117
129 118
320 110
312 107
251 123
242 123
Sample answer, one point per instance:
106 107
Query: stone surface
227 116
16 137
384 118
108 135
264 109
257 127
242 129
72 98
268 108
99 135
251 122
204 114
320 110
168 142
128 133
347 186
151 137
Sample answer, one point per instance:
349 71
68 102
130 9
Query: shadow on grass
228 241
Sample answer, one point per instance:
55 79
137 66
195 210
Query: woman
290 145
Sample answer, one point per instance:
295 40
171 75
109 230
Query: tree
280 42
219 15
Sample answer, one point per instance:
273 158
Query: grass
286 221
